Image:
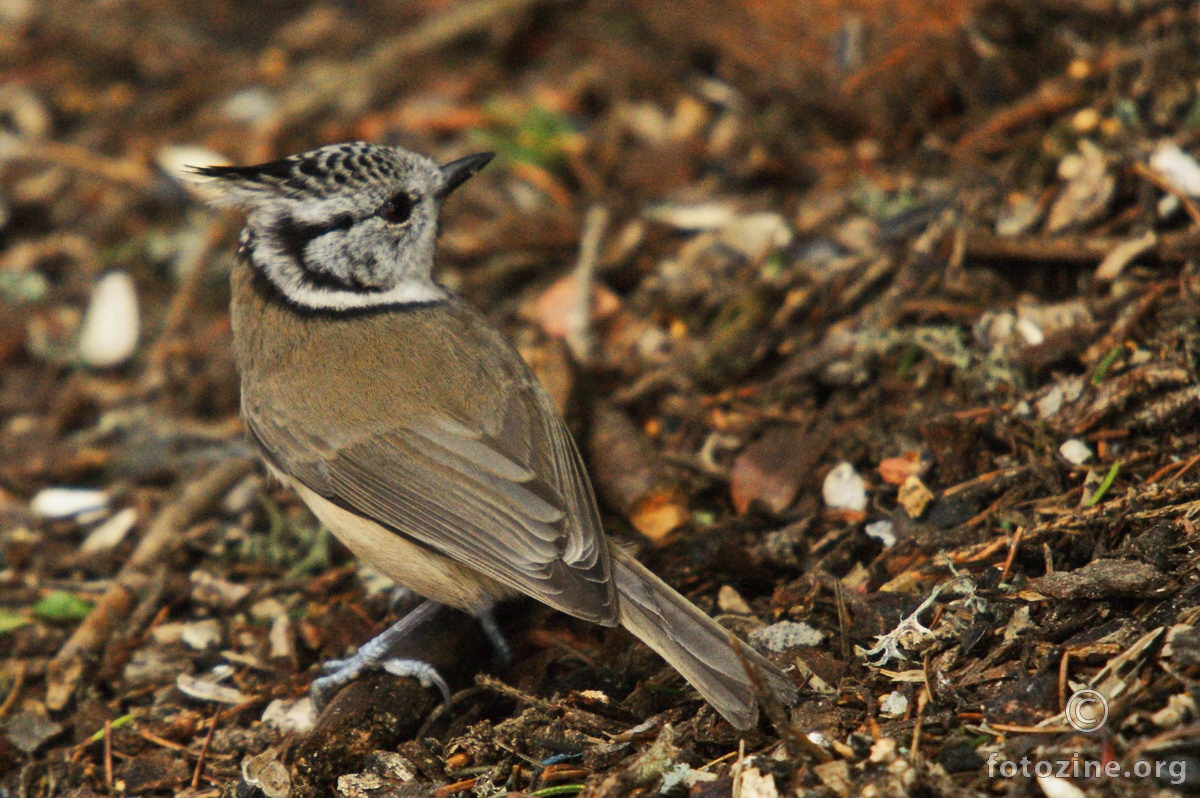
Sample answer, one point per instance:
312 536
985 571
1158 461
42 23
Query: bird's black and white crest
346 226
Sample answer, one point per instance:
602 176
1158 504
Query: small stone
730 601
1085 120
282 638
884 531
1056 787
268 774
29 730
844 489
1030 332
1018 215
754 784
709 216
1177 168
894 470
106 536
358 785
155 666
1075 451
893 705
243 496
298 716
1064 391
1103 579
109 334
786 635
24 111
756 235
254 105
166 634
835 775
201 635
59 503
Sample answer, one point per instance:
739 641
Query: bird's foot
374 654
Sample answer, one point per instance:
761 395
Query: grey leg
374 654
487 620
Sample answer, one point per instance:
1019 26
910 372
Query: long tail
694 643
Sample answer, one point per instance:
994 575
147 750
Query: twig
212 728
108 756
1171 247
1064 666
738 766
579 318
64 672
1015 728
915 745
162 741
1130 316
18 683
456 787
494 685
1012 553
1048 100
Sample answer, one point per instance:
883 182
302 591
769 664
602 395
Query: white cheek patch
306 295
297 285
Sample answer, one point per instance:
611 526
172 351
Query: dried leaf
914 497
554 308
630 477
772 469
894 470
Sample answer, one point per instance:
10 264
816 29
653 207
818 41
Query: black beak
457 172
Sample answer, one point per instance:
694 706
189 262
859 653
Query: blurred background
831 293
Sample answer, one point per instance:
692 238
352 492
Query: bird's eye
397 209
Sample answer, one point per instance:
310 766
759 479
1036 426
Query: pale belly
415 567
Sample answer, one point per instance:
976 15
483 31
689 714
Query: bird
413 429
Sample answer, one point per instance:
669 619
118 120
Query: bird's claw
340 672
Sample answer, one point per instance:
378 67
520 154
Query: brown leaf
895 470
772 469
660 512
554 307
630 478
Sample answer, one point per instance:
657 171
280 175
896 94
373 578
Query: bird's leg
375 654
491 630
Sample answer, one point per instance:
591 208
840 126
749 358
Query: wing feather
518 510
